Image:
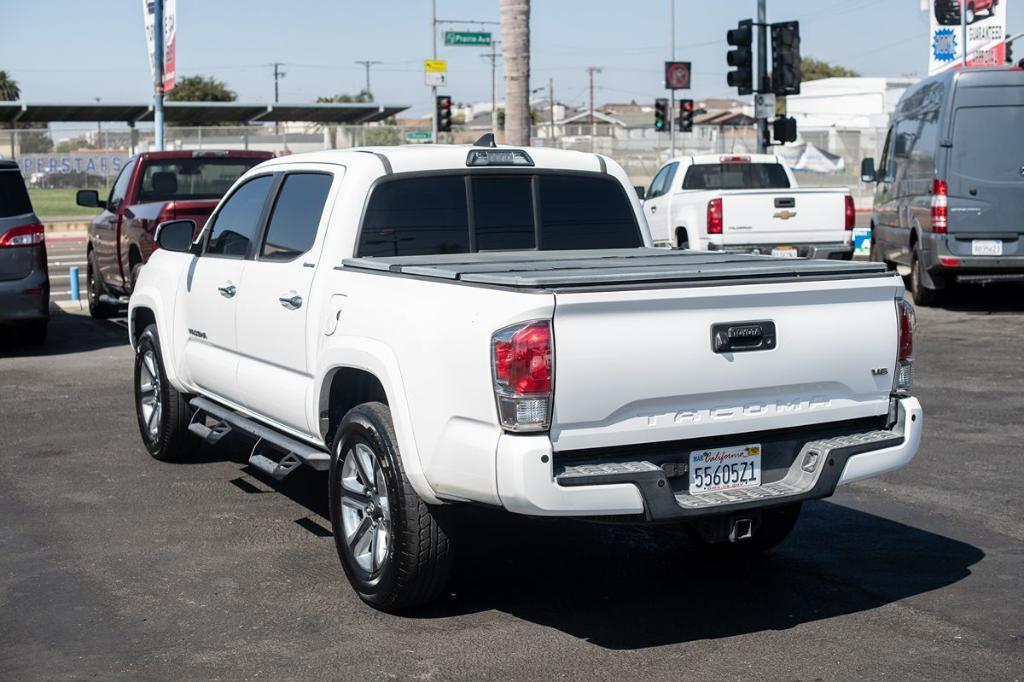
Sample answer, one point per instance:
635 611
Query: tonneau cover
556 269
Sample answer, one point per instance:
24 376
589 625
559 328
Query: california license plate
785 252
725 468
986 247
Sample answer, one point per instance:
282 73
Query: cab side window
296 216
662 181
120 189
238 221
887 167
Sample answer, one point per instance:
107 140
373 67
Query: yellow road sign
435 66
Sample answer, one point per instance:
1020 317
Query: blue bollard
74 284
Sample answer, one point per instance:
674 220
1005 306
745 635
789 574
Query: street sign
435 78
471 38
417 136
435 66
764 106
677 75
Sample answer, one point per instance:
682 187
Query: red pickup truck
151 188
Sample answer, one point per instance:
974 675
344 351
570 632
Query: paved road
113 564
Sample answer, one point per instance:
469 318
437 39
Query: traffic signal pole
433 88
672 92
158 86
763 86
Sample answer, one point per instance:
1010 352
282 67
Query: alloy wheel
365 512
150 404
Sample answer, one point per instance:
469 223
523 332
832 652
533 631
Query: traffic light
443 111
784 129
742 58
786 58
661 114
686 115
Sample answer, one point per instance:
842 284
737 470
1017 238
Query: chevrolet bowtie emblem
785 215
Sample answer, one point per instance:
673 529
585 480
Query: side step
107 299
296 452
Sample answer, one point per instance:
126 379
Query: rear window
191 179
736 176
13 196
987 144
464 213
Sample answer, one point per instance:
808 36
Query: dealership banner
986 33
170 40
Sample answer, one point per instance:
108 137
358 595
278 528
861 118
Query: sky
78 50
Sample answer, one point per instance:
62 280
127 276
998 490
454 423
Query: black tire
34 333
922 294
682 238
416 563
93 289
774 526
164 430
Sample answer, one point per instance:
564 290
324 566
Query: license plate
725 468
986 247
785 252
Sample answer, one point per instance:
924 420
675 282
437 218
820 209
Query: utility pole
278 75
433 88
963 29
493 57
367 63
672 92
591 70
158 85
551 108
762 72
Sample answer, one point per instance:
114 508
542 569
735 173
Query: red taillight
521 357
26 235
904 379
851 213
940 206
949 261
734 159
715 216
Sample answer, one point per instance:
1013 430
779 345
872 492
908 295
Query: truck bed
612 267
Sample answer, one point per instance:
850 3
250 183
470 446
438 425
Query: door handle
228 290
654 209
291 302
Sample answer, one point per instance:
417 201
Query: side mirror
867 170
641 191
175 235
89 198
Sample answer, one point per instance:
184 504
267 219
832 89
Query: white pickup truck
747 203
442 325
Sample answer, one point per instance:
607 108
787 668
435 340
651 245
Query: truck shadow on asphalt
630 587
68 334
977 299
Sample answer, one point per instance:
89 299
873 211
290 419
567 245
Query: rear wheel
396 550
94 289
682 238
923 294
163 412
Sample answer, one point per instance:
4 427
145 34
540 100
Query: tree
515 47
812 69
201 89
362 96
10 91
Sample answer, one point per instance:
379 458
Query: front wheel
396 550
922 293
163 412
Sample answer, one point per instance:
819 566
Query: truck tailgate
638 366
780 216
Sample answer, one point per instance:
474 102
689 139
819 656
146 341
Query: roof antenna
486 140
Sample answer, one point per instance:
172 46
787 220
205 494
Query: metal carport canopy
191 113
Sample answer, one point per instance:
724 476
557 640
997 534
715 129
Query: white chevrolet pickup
747 203
442 325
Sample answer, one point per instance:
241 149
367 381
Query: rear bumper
530 481
831 251
25 299
935 249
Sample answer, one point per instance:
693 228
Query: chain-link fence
92 156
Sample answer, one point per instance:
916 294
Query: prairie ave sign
471 38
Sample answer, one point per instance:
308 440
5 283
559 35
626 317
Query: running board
296 452
107 299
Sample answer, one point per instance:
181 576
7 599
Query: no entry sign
677 75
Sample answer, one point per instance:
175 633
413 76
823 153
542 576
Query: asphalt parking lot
115 565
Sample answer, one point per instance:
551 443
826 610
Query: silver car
24 281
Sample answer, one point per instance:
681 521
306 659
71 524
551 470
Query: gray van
949 196
24 281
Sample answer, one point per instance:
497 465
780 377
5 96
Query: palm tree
515 47
9 90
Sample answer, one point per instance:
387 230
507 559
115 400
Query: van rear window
462 213
716 176
13 196
987 143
